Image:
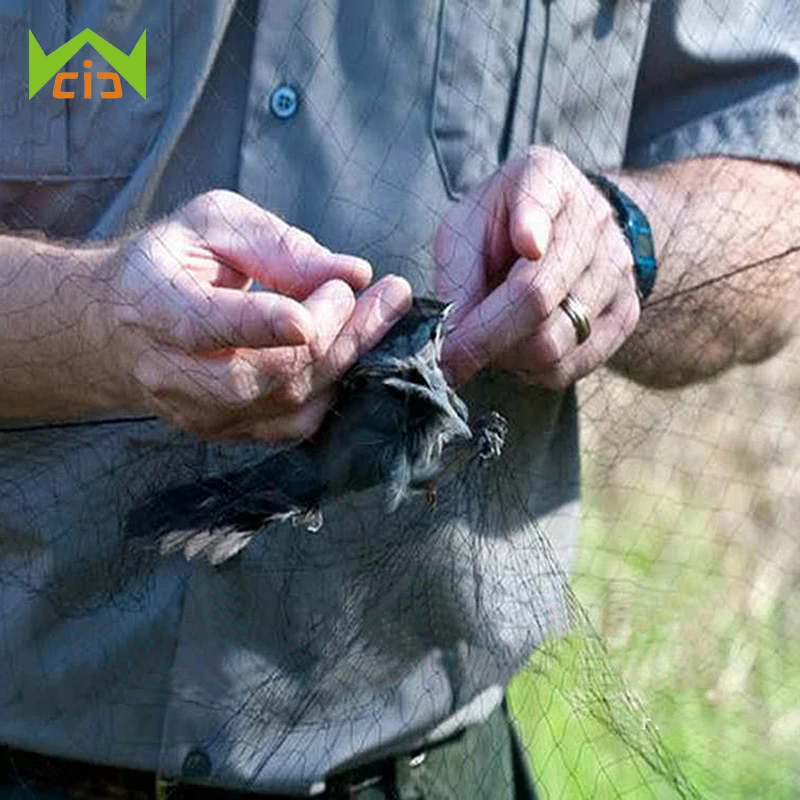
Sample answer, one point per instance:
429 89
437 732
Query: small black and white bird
393 415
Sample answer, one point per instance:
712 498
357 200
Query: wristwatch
637 231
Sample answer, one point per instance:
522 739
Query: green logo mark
42 67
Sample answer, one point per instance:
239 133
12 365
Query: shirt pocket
478 60
81 137
589 76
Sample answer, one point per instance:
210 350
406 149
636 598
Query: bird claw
311 520
490 432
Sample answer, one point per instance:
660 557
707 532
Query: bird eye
416 377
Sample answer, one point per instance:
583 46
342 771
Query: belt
78 779
482 761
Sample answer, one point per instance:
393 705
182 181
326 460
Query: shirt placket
285 57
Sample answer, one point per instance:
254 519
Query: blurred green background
689 570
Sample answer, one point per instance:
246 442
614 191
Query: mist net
619 560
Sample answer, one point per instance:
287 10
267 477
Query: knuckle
520 286
620 254
207 202
147 375
295 244
540 299
542 152
604 215
547 348
634 313
242 391
557 378
214 198
551 160
536 152
292 365
292 394
287 245
293 426
536 292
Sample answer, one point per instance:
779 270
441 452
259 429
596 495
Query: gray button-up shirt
310 652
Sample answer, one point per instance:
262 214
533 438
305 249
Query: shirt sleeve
718 78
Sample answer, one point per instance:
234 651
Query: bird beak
462 430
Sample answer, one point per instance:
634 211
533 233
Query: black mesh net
619 561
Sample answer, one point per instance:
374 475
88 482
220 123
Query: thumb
458 250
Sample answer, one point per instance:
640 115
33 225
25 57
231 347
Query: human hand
180 334
509 253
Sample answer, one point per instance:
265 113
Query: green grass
680 604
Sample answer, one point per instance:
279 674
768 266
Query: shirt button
283 102
197 764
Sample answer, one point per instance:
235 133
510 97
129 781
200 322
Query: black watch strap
636 228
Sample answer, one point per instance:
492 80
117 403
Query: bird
393 415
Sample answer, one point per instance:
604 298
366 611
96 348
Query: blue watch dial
637 231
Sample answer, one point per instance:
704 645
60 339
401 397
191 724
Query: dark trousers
483 762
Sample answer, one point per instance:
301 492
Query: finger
535 192
610 274
595 290
376 311
262 246
531 292
373 314
461 251
609 332
330 306
199 318
211 269
515 309
508 217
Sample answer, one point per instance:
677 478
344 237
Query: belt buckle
163 787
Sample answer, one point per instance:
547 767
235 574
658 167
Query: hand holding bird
394 414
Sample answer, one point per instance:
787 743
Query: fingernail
539 226
295 328
363 270
394 297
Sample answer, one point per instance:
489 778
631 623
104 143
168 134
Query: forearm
51 364
727 234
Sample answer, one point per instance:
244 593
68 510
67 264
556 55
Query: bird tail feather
213 518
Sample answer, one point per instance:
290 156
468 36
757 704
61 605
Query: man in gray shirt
276 141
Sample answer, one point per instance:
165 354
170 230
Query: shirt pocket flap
477 61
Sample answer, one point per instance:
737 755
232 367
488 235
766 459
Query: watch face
644 245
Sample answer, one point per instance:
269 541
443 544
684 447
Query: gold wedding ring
576 311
